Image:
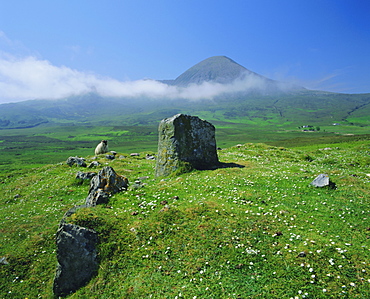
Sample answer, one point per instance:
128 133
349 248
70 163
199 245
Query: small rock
164 202
93 164
134 154
149 157
110 157
85 175
321 180
76 160
165 208
3 261
302 254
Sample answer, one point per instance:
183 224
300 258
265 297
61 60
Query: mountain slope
255 100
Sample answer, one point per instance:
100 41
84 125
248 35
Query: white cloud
31 78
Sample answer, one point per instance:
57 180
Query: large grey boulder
185 141
77 258
106 183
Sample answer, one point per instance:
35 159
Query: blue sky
47 47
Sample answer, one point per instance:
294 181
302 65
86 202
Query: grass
259 230
47 144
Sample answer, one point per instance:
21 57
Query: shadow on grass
229 165
221 165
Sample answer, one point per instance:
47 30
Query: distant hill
257 100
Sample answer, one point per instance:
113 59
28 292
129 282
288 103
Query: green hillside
256 229
285 110
257 102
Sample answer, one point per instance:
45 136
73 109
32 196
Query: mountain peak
224 70
220 69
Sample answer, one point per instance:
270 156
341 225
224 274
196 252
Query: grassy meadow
255 228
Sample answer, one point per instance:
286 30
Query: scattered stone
134 213
321 180
106 183
85 175
277 234
113 152
185 142
94 164
110 157
122 157
143 178
3 261
134 154
175 197
302 254
149 157
165 208
164 202
138 184
76 160
77 258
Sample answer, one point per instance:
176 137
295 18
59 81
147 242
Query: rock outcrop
76 245
106 183
185 142
77 258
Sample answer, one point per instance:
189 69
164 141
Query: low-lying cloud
31 78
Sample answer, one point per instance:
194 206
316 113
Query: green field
47 143
254 231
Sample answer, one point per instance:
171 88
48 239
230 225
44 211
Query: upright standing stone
185 140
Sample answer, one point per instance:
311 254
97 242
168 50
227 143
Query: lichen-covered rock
76 160
85 175
185 141
106 183
77 258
